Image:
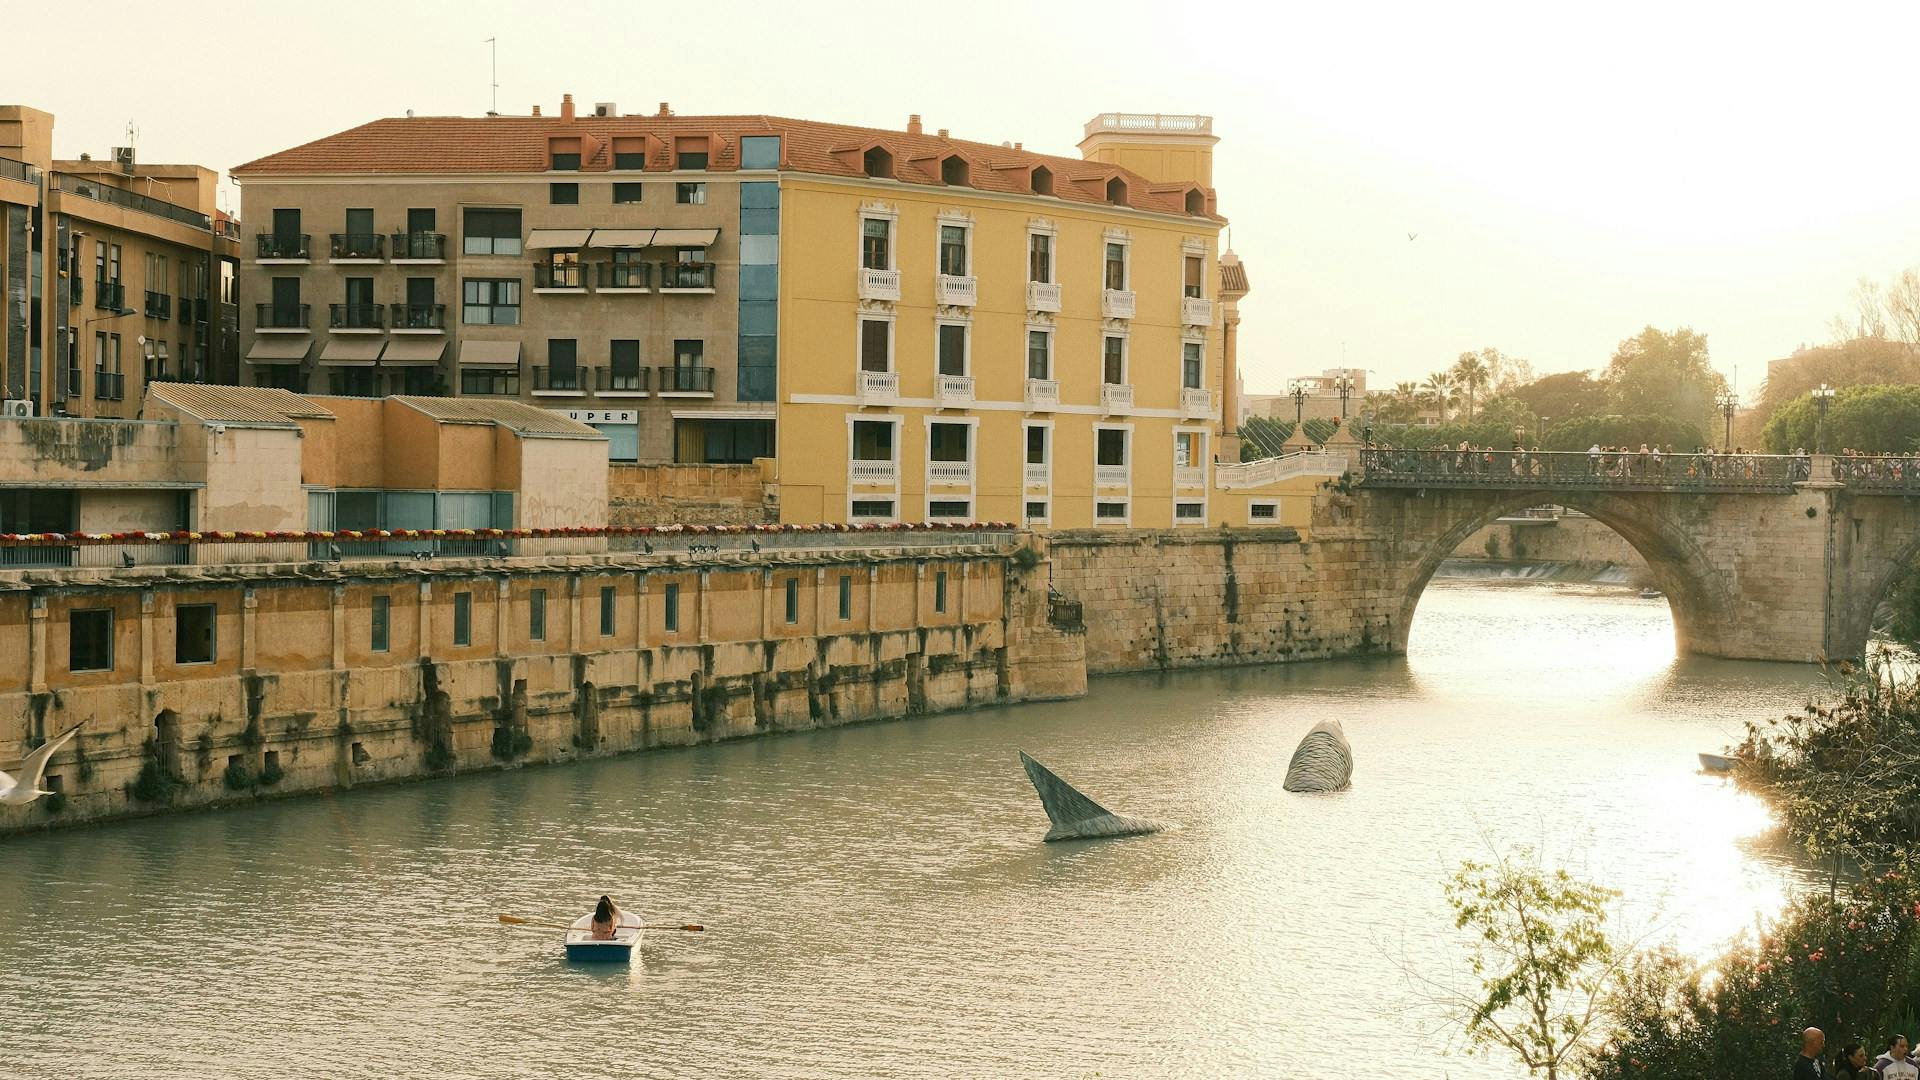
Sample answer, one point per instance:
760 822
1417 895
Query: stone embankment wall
691 495
329 676
1215 597
1578 541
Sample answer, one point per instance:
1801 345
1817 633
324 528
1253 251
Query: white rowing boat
581 944
1716 763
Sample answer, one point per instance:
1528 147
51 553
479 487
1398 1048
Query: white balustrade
1195 402
1195 311
1043 394
1043 296
871 472
1189 476
1116 303
1037 473
879 387
1116 398
879 284
949 472
1110 476
953 391
954 291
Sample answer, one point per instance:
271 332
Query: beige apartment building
115 274
596 266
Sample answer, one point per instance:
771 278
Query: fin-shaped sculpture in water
1323 761
1074 816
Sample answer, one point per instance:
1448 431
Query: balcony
1043 296
623 277
860 471
355 317
607 382
419 247
280 318
1037 474
685 381
73 387
879 284
1116 303
1116 398
950 472
953 291
109 385
558 277
568 381
88 188
19 171
1195 403
283 248
1189 476
187 306
1109 476
1195 311
159 305
879 387
952 391
356 247
109 296
1043 394
679 277
419 318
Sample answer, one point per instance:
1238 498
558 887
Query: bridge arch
1429 525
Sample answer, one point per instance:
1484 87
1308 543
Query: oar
513 920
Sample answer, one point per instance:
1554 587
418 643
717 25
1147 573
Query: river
878 900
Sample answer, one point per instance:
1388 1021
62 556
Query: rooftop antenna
494 75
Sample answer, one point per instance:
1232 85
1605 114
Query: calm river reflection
878 898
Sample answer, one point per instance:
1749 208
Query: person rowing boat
606 918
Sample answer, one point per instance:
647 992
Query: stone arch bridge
1760 557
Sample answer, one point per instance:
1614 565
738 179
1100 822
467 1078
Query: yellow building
973 331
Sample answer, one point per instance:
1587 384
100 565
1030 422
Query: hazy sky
1573 172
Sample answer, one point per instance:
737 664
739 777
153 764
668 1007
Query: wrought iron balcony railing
159 305
624 276
686 276
355 245
607 380
283 246
419 316
109 295
558 275
686 380
354 316
109 385
419 247
281 316
561 380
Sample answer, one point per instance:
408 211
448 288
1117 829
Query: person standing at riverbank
1808 1065
1895 1064
1852 1064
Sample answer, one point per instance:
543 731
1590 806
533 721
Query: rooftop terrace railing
1604 471
133 200
19 170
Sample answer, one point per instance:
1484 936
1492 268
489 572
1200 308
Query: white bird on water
32 771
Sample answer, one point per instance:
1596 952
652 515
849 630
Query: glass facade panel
760 152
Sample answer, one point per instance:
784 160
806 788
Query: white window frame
1194 247
860 339
1189 523
1044 227
1044 500
1191 337
1126 356
1127 428
959 220
931 498
878 212
965 322
1053 350
1125 240
1203 451
1200 433
898 423
1124 521
972 424
1274 520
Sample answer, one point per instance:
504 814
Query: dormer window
566 161
690 154
878 162
1196 202
1042 180
1117 191
953 171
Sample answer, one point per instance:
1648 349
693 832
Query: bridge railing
1888 473
1603 471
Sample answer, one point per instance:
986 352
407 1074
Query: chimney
913 124
943 133
1018 146
536 110
665 109
566 106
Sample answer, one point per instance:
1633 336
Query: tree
1538 944
1871 419
1469 374
1661 373
1438 391
1854 362
1564 396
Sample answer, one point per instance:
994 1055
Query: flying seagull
32 771
1412 236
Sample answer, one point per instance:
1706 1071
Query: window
566 162
627 191
1110 445
1113 360
846 597
690 153
193 634
625 360
873 508
1186 448
1196 266
493 232
1263 511
1040 258
940 590
359 222
90 639
953 250
670 607
606 611
1041 180
563 359
1037 445
1117 267
490 381
1117 191
1190 364
760 152
877 162
100 261
953 171
1189 511
113 258
1110 509
876 247
563 194
690 194
629 160
949 509
1039 354
463 618
876 345
537 615
688 353
951 342
793 600
948 442
872 440
491 301
1036 510
379 625
421 219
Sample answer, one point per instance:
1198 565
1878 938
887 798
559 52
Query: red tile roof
519 144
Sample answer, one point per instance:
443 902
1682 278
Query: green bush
153 785
271 774
237 778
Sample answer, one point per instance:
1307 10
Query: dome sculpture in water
1074 816
1323 761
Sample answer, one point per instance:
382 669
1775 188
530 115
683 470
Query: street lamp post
1344 384
1298 390
1822 399
1728 404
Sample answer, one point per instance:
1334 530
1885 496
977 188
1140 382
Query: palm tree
1470 373
1438 390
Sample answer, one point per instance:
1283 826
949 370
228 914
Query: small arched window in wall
878 162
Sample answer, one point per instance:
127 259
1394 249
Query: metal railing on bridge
1577 470
1885 474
